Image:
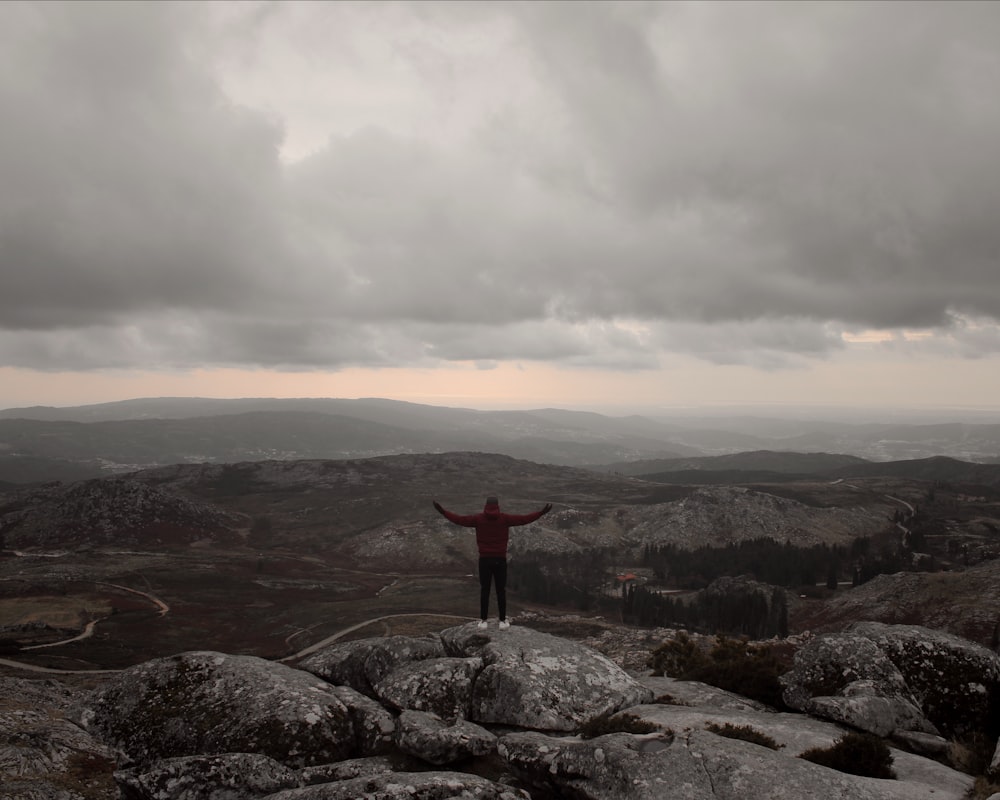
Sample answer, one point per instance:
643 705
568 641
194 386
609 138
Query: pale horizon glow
602 205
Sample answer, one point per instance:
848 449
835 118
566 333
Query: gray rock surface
534 680
888 678
304 734
693 765
40 751
373 725
796 733
956 682
356 768
407 786
204 703
442 686
365 662
441 742
696 693
220 777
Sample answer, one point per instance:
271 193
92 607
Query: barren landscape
266 558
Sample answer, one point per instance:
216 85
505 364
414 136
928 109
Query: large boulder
538 681
956 682
373 725
205 703
442 686
889 679
407 786
440 742
850 679
363 663
230 775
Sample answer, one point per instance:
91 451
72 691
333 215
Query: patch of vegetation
88 776
855 753
769 561
982 789
609 722
745 733
731 664
972 753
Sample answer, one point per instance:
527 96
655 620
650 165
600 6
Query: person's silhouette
492 533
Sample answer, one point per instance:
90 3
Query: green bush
609 723
855 753
744 733
731 664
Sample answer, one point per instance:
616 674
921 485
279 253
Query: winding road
294 657
86 633
364 623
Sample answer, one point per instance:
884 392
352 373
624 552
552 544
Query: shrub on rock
857 754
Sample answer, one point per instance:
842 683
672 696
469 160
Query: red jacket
492 526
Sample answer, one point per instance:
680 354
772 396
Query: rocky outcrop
518 677
407 786
364 663
895 678
210 726
441 742
917 777
40 750
534 680
244 775
113 510
694 764
442 686
206 703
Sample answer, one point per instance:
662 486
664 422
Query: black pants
492 568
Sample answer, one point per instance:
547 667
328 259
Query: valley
267 558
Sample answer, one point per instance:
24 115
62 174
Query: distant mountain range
44 443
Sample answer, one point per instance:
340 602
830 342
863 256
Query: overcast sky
501 204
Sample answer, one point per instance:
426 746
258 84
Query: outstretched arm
524 519
468 520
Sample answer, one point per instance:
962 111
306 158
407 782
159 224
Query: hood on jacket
492 506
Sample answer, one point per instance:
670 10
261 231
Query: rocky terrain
380 507
256 562
262 557
964 602
509 715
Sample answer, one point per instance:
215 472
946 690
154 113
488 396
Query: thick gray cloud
592 184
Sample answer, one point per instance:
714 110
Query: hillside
362 507
964 602
39 444
304 429
258 554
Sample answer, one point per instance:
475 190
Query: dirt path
88 631
341 633
5 662
301 654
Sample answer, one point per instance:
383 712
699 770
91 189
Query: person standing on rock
492 532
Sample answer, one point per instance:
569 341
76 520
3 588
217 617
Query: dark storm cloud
837 153
130 182
742 182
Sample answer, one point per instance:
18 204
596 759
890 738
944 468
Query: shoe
504 624
482 625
